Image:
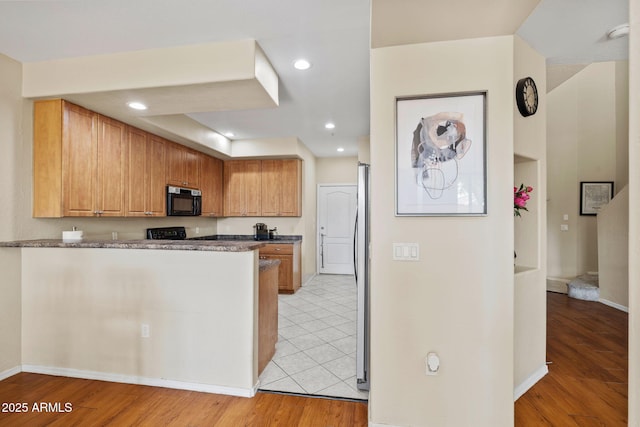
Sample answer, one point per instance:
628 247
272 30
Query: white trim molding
10 372
614 305
130 379
523 387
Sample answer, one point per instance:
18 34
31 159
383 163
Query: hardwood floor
587 381
98 403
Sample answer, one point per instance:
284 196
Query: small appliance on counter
72 236
167 233
261 231
273 233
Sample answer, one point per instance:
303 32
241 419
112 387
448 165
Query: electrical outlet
145 331
197 230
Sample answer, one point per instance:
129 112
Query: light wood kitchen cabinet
281 187
267 315
211 181
242 188
78 162
290 269
183 166
145 174
110 167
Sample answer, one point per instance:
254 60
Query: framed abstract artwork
594 195
441 165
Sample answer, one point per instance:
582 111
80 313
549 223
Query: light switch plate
406 252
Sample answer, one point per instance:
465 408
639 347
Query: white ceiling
332 34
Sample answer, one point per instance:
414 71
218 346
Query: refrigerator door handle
355 248
322 250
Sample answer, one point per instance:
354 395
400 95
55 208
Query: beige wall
613 251
530 237
634 214
10 165
586 142
458 299
337 170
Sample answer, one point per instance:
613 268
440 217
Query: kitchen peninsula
180 314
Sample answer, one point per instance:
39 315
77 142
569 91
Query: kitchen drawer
277 249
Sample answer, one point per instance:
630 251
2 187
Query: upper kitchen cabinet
183 166
281 187
78 162
145 189
211 179
242 188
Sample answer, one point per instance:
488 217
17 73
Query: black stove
167 233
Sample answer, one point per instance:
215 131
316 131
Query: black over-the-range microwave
183 201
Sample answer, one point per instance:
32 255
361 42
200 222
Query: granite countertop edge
266 264
180 245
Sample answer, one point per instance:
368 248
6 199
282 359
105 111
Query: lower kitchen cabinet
267 315
289 271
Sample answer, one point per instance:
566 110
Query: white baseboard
523 387
9 373
130 379
614 305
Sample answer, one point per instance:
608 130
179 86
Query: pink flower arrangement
520 198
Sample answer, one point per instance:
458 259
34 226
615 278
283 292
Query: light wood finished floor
97 403
587 381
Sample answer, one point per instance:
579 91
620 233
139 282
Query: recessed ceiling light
229 134
137 105
330 126
617 32
301 64
340 149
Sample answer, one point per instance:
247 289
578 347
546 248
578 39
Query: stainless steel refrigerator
361 267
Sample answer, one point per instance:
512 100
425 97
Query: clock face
527 96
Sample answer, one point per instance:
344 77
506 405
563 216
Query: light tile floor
316 349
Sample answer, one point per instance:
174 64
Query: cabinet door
234 188
192 168
285 274
291 188
145 181
281 187
253 188
242 188
155 175
110 167
183 166
175 165
79 136
136 199
271 187
211 185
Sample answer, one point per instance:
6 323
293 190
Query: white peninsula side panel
85 312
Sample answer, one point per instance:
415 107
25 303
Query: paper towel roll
72 236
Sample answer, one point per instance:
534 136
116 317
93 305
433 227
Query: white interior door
336 223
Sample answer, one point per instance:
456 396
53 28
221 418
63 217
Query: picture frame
441 165
594 195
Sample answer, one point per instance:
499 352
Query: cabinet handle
278 249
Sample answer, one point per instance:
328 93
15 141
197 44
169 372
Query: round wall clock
527 96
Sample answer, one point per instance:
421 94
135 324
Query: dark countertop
179 245
266 264
248 237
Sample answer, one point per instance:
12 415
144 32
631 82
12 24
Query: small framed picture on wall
594 195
